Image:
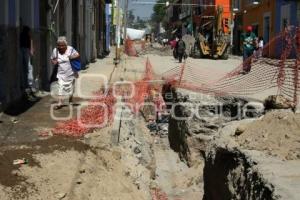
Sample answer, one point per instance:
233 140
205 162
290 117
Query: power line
167 3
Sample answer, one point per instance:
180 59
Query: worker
249 40
180 48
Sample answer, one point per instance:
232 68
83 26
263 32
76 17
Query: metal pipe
179 4
55 7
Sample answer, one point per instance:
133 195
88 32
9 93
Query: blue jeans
247 60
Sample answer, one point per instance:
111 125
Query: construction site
144 129
142 125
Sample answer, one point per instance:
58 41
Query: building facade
76 19
267 17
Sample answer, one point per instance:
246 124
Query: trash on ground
20 161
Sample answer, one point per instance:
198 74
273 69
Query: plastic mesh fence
266 73
133 48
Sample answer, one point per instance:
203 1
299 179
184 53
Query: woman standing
61 56
27 51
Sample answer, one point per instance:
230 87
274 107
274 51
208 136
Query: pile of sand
278 134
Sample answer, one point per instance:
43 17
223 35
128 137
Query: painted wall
37 15
283 6
286 14
256 16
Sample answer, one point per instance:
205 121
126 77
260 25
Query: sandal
57 107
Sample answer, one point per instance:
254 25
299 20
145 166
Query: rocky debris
204 131
240 130
228 174
159 126
231 172
278 102
254 109
137 150
60 196
157 50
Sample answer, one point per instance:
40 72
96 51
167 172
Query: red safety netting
158 194
98 113
142 87
266 73
132 48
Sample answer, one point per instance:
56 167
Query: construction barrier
132 48
266 73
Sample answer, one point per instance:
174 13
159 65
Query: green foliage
159 11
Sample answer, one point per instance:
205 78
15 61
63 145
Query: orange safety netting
266 73
98 113
132 48
142 87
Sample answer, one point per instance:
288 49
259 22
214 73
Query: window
236 5
285 23
253 1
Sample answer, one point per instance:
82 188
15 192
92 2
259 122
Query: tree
159 11
130 18
159 14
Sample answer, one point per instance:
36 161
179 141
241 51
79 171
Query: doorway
266 34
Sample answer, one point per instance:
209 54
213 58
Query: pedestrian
173 46
180 48
249 40
27 51
260 46
61 56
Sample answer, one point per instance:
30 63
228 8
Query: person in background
27 52
260 46
173 44
249 44
180 48
61 56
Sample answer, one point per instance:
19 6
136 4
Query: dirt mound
157 50
278 134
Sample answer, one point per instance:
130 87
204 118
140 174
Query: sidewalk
27 119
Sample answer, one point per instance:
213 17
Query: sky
141 10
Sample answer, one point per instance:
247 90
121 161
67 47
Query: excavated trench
228 173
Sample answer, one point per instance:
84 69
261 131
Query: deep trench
227 174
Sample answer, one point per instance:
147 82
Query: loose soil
277 133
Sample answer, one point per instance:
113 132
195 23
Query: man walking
180 48
249 39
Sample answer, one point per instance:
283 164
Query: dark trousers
180 56
247 60
27 69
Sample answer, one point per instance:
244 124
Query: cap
249 28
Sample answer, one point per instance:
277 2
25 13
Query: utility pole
116 60
125 19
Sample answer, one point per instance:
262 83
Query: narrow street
149 100
123 159
55 163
